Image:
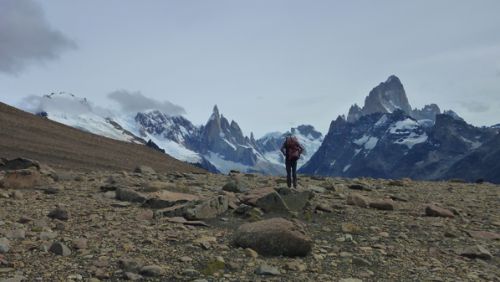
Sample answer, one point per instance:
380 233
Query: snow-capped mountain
396 142
271 143
78 112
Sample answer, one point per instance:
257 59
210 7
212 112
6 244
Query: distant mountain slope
482 163
58 145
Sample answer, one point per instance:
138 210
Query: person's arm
283 149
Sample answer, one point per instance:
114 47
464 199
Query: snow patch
412 140
368 142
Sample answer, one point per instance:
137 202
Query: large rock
433 210
59 213
274 237
355 199
295 200
476 251
165 199
21 179
266 199
129 195
18 164
235 185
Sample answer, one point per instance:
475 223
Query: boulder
295 200
266 199
129 195
4 245
274 237
21 179
19 164
433 210
358 200
235 185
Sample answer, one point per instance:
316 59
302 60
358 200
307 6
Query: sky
268 65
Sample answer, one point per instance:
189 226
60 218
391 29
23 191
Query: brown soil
60 146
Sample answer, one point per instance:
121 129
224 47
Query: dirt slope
60 146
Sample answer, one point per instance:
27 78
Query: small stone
350 228
25 219
17 234
60 249
360 261
45 236
186 259
151 271
80 243
59 213
350 280
4 245
145 215
129 265
265 269
295 266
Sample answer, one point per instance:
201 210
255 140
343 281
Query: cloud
61 103
26 37
137 102
475 106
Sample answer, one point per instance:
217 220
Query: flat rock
165 199
484 235
433 210
266 199
265 269
19 163
274 237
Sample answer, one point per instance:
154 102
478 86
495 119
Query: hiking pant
291 171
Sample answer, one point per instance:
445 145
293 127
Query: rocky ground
143 225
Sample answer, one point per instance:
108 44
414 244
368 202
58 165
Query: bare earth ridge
26 135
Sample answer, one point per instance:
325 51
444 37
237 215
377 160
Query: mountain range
385 138
218 146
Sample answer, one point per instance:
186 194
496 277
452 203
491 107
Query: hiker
292 150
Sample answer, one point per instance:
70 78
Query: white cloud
133 102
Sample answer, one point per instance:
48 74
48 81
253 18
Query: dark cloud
132 102
26 37
475 106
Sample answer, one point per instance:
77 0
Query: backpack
293 148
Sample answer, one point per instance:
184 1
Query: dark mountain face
482 163
395 145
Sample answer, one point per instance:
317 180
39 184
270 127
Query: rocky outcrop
274 237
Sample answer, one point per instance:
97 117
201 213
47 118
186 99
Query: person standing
292 150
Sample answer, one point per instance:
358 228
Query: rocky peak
307 130
428 112
387 97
